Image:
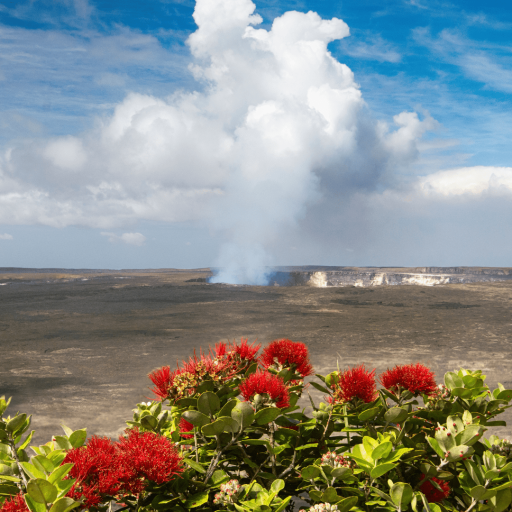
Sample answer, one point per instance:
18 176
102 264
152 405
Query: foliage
225 433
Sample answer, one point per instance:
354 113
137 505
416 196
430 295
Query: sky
174 134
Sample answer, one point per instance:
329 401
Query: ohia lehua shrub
225 433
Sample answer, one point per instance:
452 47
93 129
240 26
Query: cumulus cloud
275 127
5 236
471 181
137 239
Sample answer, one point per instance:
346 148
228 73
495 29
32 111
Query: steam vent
375 276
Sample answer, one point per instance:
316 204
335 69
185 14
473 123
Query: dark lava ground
78 352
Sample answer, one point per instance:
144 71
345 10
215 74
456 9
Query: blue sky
243 186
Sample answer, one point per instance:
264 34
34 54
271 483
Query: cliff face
426 276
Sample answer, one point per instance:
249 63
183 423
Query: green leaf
323 389
396 415
283 504
194 465
330 495
67 430
197 418
230 425
315 495
243 414
64 505
43 464
346 504
62 443
477 492
149 422
41 491
457 453
382 451
196 500
265 416
219 477
32 471
381 469
505 395
8 490
401 494
369 414
227 408
59 473
277 485
33 505
187 402
340 472
213 429
306 446
15 423
310 472
502 500
452 380
208 403
27 441
462 392
78 437
470 435
9 478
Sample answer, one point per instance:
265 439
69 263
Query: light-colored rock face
429 276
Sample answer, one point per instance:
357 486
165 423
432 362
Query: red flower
287 354
162 379
417 378
96 471
245 351
15 504
147 456
185 426
264 383
355 383
432 494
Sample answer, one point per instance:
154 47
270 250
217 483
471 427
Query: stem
195 445
325 429
474 502
272 455
346 425
16 458
259 469
290 468
215 461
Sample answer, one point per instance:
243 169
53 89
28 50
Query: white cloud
5 236
469 181
280 125
137 239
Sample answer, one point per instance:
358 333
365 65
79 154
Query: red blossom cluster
104 468
355 384
417 378
15 504
226 361
287 354
433 494
265 383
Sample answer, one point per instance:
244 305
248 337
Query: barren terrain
77 348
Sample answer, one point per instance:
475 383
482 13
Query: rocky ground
78 351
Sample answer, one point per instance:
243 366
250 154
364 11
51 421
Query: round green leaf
396 415
243 414
149 422
330 495
346 504
310 472
382 451
369 414
208 403
340 472
277 485
265 416
197 418
401 494
213 429
64 505
78 437
41 491
230 425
